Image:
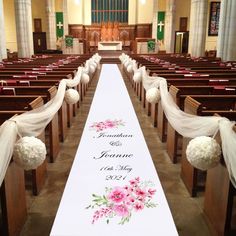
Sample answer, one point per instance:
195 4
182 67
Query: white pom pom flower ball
71 96
29 152
137 76
85 78
130 68
153 95
92 68
203 152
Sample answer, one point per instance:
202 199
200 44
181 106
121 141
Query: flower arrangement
71 96
108 124
123 201
203 152
29 152
153 95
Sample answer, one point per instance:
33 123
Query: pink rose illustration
117 195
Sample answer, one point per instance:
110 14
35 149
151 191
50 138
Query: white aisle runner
113 188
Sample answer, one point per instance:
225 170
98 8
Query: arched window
110 10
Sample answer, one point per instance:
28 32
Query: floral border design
107 124
123 201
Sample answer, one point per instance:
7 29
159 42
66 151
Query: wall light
143 1
77 2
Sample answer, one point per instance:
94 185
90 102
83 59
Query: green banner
160 25
151 45
69 41
59 24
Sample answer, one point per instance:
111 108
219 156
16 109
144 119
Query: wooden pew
46 79
219 198
161 119
12 191
199 105
37 176
179 94
52 128
62 113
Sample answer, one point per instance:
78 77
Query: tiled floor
187 211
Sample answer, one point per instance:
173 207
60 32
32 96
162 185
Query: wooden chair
124 37
93 42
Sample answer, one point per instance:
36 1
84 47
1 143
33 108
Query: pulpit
76 47
141 46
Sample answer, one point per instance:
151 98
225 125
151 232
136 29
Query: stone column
51 24
65 18
226 42
169 37
154 20
198 25
3 50
24 30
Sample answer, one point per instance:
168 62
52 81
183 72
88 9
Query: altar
110 45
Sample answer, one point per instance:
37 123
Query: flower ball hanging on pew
29 152
203 152
153 95
92 68
130 68
85 78
137 76
71 96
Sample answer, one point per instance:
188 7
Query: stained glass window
110 10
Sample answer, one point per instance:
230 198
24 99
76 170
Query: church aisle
186 211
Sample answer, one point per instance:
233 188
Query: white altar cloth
110 45
113 188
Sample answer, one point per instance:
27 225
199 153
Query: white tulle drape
32 123
189 125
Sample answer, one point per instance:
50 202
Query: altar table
110 45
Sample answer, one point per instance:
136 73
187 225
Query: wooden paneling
143 31
92 33
77 31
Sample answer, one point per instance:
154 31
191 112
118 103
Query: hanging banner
69 41
59 24
160 25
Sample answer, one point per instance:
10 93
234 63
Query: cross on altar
60 25
160 25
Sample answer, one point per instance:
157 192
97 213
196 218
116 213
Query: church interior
117 117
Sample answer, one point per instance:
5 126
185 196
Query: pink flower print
121 210
141 193
151 191
108 124
126 187
135 181
121 202
103 212
117 195
138 206
130 200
